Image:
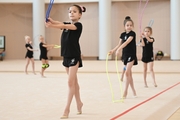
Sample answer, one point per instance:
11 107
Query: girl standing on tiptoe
147 54
29 54
128 44
43 54
70 50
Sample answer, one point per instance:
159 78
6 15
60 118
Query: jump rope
116 58
49 9
140 15
47 16
110 83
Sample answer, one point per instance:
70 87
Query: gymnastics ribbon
49 9
110 84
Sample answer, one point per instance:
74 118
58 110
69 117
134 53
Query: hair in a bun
80 8
128 18
83 8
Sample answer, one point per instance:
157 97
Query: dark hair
127 18
149 28
80 8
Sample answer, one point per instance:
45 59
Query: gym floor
30 97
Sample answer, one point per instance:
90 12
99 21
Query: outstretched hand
48 24
110 52
142 36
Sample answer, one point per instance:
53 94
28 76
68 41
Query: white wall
64 1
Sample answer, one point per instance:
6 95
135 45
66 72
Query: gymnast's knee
43 66
46 65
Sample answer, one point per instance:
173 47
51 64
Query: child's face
41 39
128 26
74 14
147 32
30 42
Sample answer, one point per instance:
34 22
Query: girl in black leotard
127 44
71 52
43 54
29 54
148 55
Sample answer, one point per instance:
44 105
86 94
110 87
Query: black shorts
127 59
147 59
43 57
72 61
29 56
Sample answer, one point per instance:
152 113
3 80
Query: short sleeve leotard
70 41
29 54
147 54
129 52
43 51
70 47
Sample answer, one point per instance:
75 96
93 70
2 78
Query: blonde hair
26 38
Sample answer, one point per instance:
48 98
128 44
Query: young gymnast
29 54
147 54
43 54
128 39
70 50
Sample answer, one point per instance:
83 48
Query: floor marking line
123 113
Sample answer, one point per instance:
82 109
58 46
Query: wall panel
16 22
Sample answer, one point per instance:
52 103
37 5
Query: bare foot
124 95
34 73
79 108
43 76
65 115
26 72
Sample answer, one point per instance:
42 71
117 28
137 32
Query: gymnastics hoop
140 15
110 84
49 9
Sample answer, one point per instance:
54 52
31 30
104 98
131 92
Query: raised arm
59 25
142 41
149 39
47 46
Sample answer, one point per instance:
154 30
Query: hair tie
82 8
